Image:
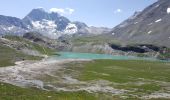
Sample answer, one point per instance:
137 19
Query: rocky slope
104 44
26 46
11 51
47 42
151 26
11 25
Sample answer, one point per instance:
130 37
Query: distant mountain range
150 26
49 24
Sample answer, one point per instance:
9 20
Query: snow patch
71 28
5 29
150 24
149 32
28 26
136 22
157 6
168 10
10 28
159 20
47 27
113 33
44 24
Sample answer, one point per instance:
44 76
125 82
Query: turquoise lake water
73 55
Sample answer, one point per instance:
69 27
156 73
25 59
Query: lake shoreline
95 56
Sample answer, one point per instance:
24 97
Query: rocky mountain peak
37 15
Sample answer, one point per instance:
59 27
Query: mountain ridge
150 26
49 24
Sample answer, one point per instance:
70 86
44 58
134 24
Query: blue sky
106 13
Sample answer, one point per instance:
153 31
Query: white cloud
118 11
70 10
63 11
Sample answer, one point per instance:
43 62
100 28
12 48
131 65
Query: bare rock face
151 26
93 48
46 41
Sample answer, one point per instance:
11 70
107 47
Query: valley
67 74
47 56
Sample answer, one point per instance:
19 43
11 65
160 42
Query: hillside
150 26
14 48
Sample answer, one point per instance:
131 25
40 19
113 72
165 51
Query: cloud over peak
62 11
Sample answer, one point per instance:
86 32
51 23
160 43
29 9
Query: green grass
14 38
124 71
10 92
40 48
43 49
95 39
8 56
165 55
139 77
